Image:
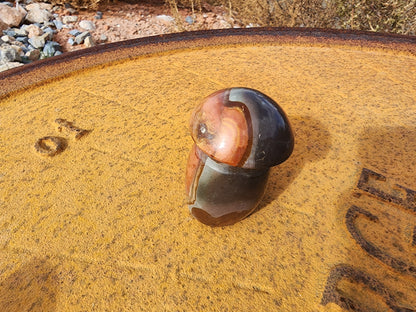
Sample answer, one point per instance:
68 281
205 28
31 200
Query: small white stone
165 19
81 37
87 25
37 42
69 19
18 49
39 5
89 42
9 65
9 55
38 13
20 32
34 31
7 38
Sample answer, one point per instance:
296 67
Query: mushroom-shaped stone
239 134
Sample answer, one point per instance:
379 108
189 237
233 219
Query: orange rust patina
103 224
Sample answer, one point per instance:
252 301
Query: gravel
30 38
33 55
69 19
50 48
103 38
87 25
9 65
39 13
9 55
99 15
89 42
38 42
58 24
81 37
189 20
32 31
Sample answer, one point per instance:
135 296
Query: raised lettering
414 237
394 263
376 185
333 294
68 126
50 145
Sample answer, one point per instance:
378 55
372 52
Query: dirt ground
122 21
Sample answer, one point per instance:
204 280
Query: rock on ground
48 30
3 26
33 31
39 13
67 19
87 25
11 16
9 65
9 54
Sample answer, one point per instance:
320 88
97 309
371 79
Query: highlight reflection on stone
239 134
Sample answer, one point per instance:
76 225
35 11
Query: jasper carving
239 135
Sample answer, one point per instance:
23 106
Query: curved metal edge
44 70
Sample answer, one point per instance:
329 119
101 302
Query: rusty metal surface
94 147
51 68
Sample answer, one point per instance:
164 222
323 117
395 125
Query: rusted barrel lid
93 151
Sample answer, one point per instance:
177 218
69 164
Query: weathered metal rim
41 71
